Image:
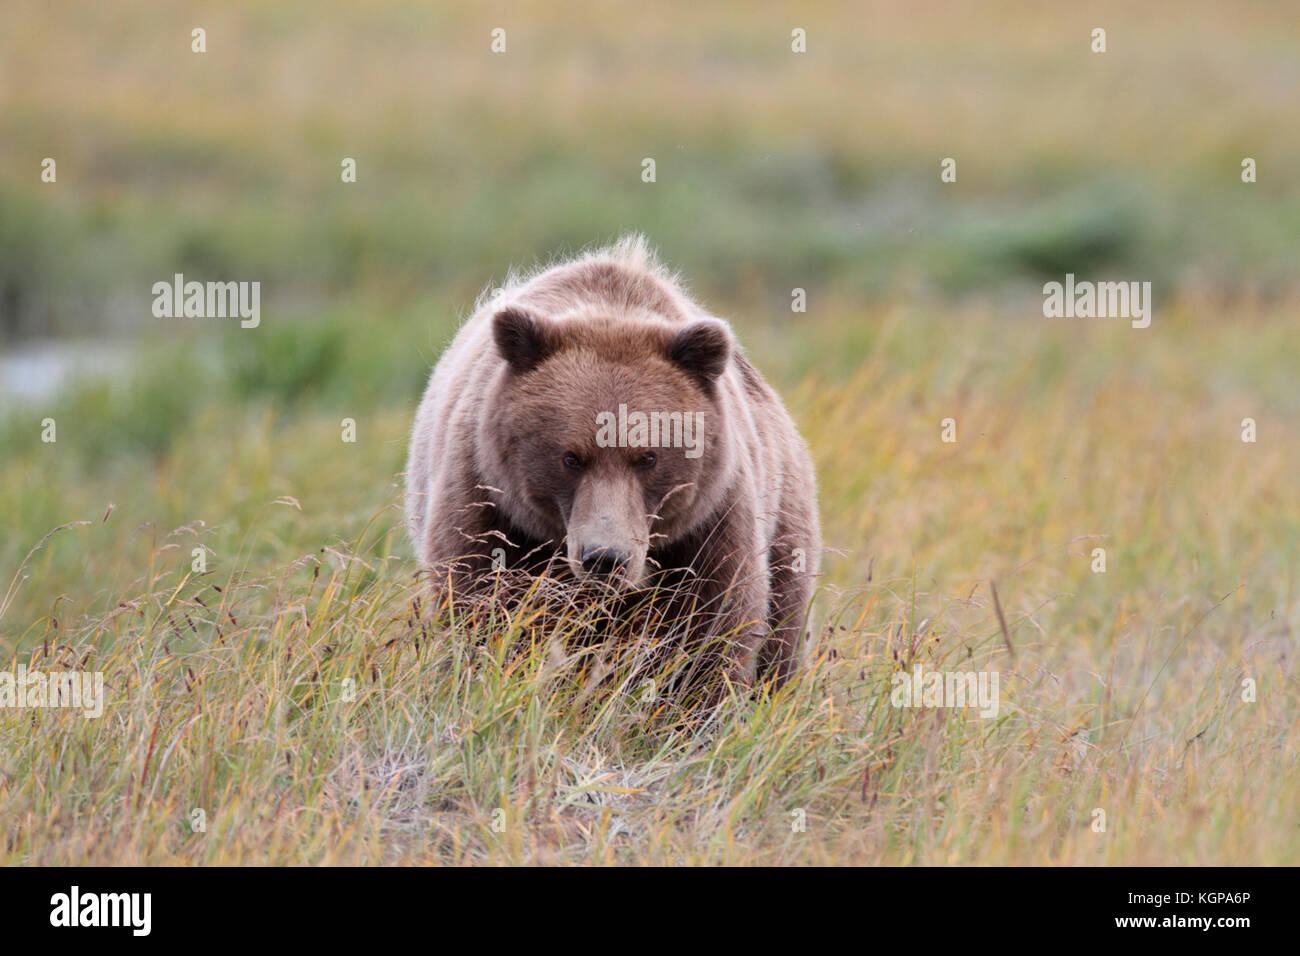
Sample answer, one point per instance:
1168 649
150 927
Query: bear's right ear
703 348
522 339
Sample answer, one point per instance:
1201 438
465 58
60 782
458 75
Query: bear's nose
603 561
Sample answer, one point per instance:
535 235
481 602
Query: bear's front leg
726 601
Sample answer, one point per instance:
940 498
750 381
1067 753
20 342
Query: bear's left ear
522 339
703 349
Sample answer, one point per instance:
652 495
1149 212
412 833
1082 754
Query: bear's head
608 436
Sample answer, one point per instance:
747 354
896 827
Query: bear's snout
598 558
602 561
607 529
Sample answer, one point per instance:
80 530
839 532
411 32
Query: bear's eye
572 461
646 461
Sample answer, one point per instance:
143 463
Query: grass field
230 690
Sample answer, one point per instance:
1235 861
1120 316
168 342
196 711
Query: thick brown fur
505 466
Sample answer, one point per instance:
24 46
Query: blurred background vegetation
774 169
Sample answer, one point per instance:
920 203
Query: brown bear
591 417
